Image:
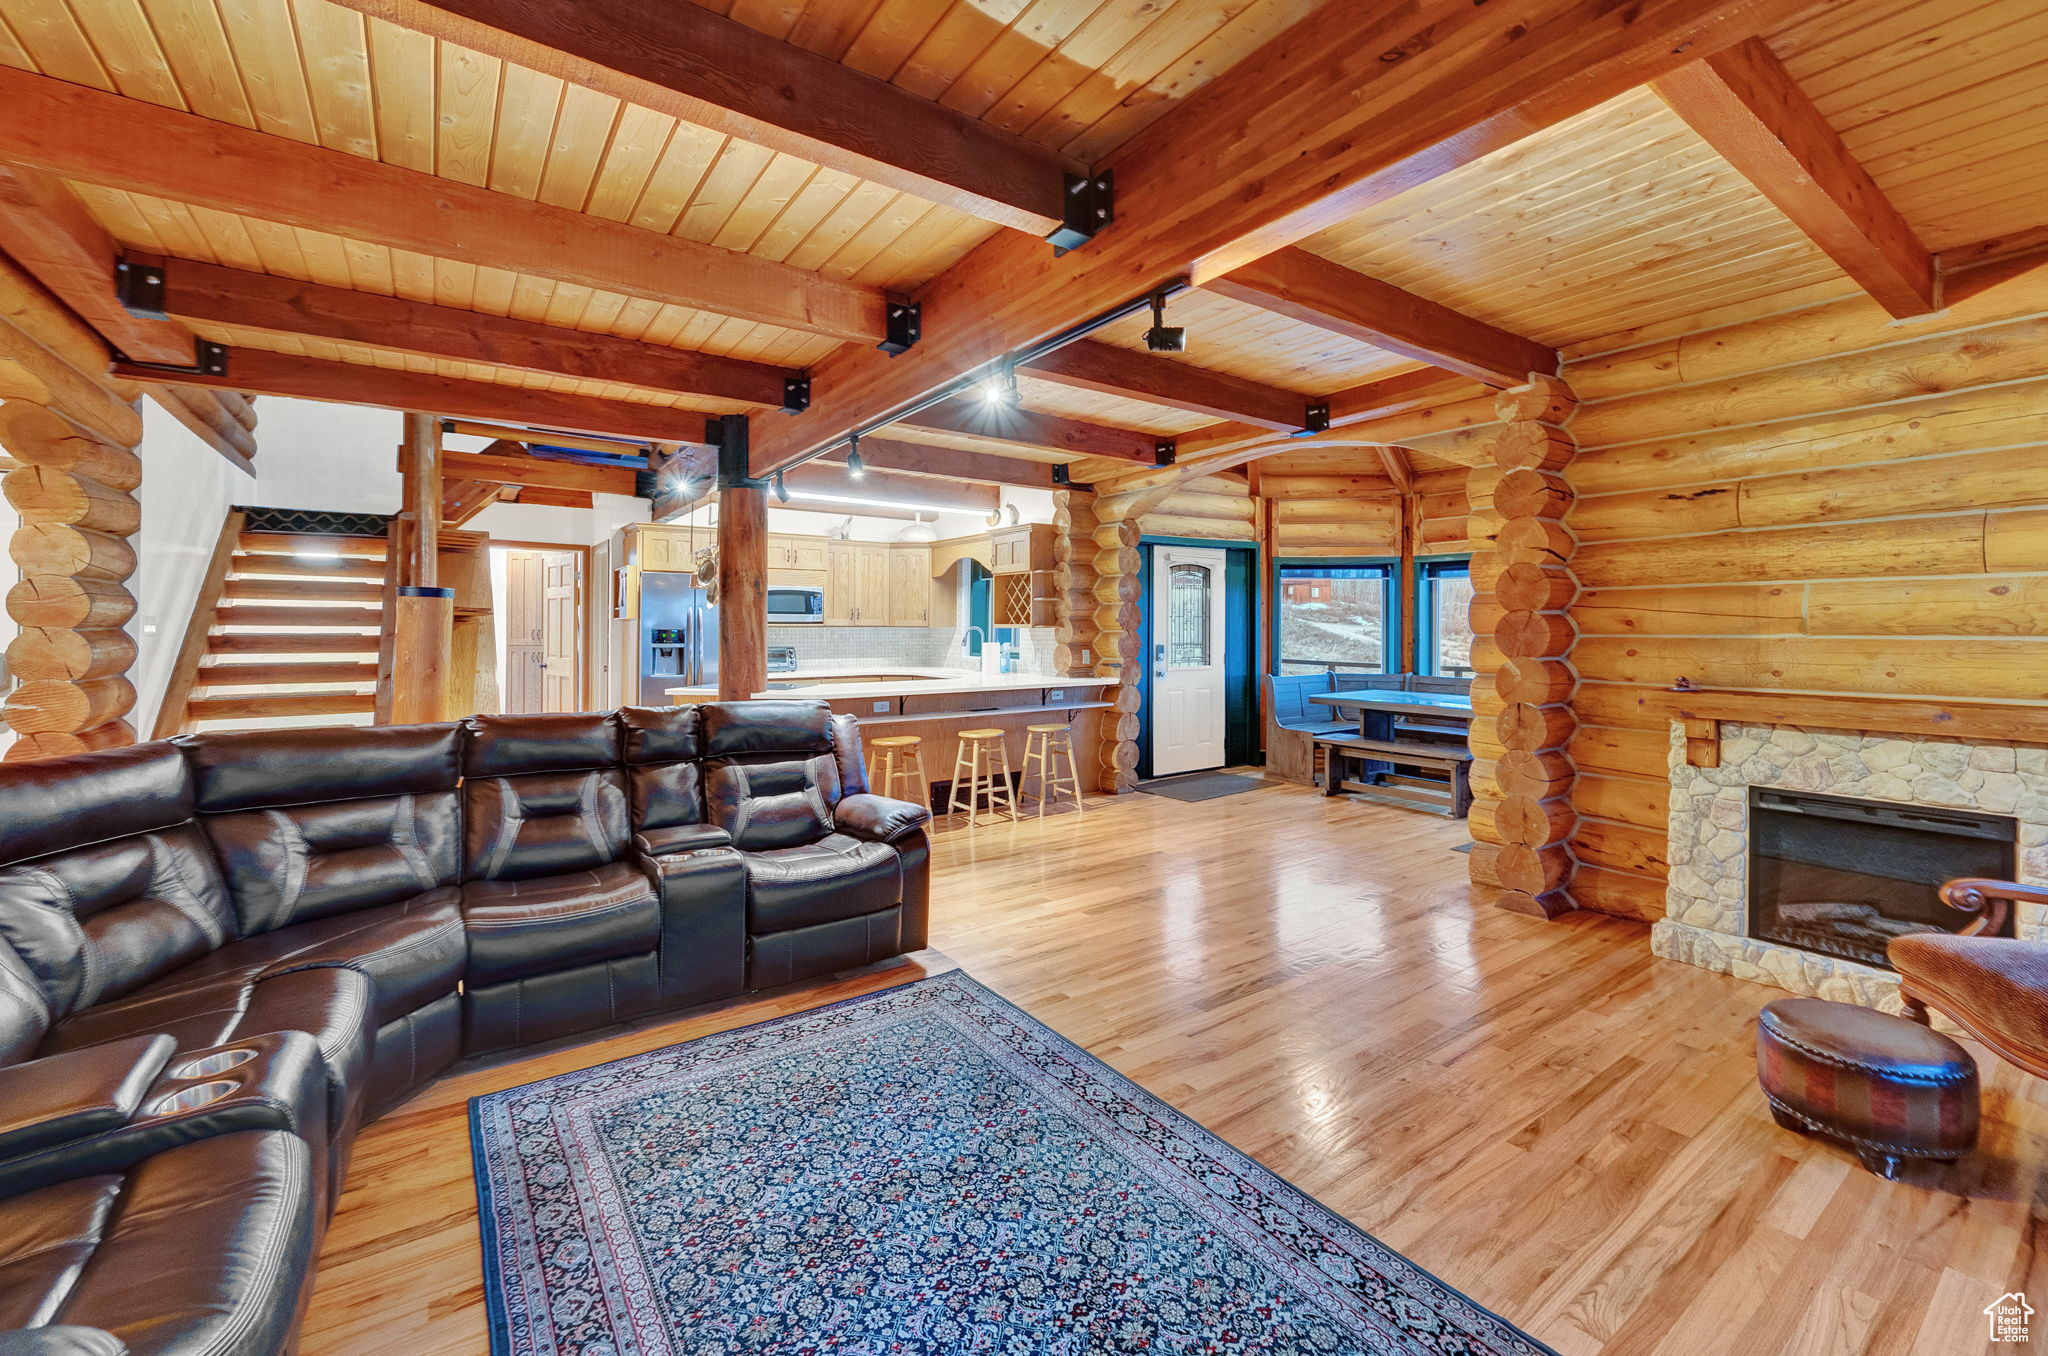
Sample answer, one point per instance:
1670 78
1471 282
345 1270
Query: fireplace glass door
1842 877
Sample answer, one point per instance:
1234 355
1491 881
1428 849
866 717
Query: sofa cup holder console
193 1097
206 1066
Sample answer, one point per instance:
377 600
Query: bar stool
981 767
1043 745
899 758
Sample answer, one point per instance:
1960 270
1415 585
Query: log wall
1825 500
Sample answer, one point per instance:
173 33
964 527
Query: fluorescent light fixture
877 503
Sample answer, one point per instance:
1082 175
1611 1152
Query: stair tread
344 567
280 704
296 614
295 642
299 543
303 590
284 675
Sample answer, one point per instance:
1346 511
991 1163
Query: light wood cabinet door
871 600
910 587
842 583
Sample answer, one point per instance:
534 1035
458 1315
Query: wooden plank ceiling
1589 234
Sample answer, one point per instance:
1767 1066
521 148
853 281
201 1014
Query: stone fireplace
1805 813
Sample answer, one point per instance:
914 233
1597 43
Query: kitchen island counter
936 704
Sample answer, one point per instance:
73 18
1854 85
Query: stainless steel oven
795 607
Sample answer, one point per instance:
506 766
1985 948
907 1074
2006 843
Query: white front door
1187 659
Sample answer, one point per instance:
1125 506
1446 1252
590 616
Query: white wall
187 489
569 527
337 458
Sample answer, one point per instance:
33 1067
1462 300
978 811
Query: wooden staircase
285 632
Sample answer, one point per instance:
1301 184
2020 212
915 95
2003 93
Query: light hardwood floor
1561 1126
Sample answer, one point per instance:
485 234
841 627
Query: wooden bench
1414 773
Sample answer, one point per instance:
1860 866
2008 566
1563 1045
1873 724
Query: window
1443 599
1187 621
1332 616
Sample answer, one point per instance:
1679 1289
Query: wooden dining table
1378 709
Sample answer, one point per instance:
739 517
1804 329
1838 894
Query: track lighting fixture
1001 389
1162 337
855 467
781 491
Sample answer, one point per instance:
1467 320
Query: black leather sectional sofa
220 954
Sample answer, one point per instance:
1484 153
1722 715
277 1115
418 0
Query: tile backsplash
918 646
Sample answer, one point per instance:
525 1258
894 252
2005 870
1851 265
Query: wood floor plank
1541 1113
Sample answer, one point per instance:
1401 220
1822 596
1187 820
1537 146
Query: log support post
1074 553
73 486
1522 818
1116 621
422 624
742 564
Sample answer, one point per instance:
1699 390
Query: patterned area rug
916 1172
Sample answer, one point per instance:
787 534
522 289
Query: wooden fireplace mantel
1701 711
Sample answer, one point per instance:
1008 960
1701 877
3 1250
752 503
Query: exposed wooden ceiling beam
547 437
949 463
1749 109
1090 365
1314 291
102 138
535 471
706 69
49 232
1399 469
252 369
552 498
227 296
986 422
1414 394
1351 105
462 500
1962 257
825 482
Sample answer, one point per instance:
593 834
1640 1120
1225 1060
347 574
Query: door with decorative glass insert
1187 659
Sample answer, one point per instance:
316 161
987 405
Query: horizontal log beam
49 232
1090 365
986 422
697 65
259 301
253 369
1745 104
1310 289
536 472
949 463
1352 105
101 138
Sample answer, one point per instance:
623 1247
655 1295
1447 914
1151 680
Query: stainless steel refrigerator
678 636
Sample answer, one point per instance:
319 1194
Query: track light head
1001 389
1162 337
781 490
855 467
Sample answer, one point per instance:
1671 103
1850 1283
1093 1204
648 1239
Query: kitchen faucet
977 631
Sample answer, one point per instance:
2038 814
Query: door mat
1204 785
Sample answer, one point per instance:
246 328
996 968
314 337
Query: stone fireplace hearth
1706 919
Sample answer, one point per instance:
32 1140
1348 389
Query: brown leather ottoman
1889 1088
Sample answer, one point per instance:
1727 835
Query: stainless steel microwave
796 607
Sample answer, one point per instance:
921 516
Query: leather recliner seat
333 916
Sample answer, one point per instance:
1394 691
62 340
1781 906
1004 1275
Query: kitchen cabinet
910 586
1021 549
801 554
856 584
